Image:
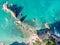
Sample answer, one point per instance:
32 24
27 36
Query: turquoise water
42 10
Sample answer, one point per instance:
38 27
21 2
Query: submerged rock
17 43
15 9
23 18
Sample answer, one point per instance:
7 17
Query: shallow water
42 10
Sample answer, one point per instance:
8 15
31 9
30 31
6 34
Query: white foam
47 25
57 33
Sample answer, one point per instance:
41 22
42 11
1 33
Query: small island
36 37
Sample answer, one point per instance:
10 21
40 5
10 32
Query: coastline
24 26
8 10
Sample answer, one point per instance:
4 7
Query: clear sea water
42 10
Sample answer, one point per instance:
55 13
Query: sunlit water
41 10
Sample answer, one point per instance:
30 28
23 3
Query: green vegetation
49 42
37 42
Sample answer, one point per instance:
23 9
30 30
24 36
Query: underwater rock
17 43
55 25
15 9
23 18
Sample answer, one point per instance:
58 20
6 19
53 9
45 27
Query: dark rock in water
18 10
23 18
15 9
52 28
55 25
41 31
16 43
